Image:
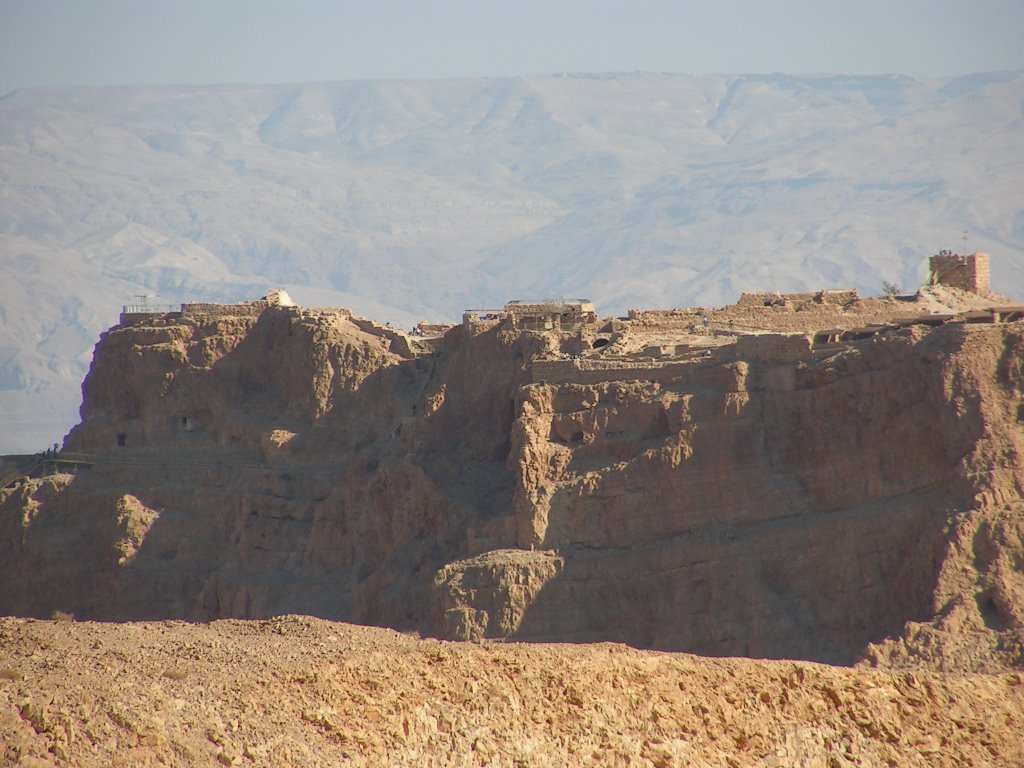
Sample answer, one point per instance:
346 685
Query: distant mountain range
409 200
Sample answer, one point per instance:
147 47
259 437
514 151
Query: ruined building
968 273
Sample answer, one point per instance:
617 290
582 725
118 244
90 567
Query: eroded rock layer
745 494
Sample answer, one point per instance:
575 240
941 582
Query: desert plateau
787 531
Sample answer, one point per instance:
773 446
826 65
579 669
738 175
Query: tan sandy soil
296 691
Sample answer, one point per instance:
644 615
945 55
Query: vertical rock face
724 514
215 382
292 461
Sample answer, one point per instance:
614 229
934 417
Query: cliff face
292 461
795 510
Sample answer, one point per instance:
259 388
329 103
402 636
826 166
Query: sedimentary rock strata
681 486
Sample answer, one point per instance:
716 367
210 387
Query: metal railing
149 309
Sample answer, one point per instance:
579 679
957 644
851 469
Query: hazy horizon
118 42
356 178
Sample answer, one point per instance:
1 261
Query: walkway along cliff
817 476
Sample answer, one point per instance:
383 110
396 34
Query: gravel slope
296 691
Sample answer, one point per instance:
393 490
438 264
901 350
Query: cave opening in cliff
600 343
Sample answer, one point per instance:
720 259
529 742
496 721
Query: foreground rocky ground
297 691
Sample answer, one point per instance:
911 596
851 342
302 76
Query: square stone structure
560 316
968 273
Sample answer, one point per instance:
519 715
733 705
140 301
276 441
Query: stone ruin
818 319
563 316
277 297
558 316
968 273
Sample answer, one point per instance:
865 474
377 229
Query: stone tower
968 273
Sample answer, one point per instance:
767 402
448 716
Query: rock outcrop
770 496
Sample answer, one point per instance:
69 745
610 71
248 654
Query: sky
114 42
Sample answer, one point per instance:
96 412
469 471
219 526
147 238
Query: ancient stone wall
476 321
212 310
132 317
774 347
557 316
779 313
833 296
762 299
667 318
589 372
327 312
569 308
968 273
434 330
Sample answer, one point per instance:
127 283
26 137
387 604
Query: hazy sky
92 42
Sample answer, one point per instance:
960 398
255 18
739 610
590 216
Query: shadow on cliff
391 468
816 587
825 529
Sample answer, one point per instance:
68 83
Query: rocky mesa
815 476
